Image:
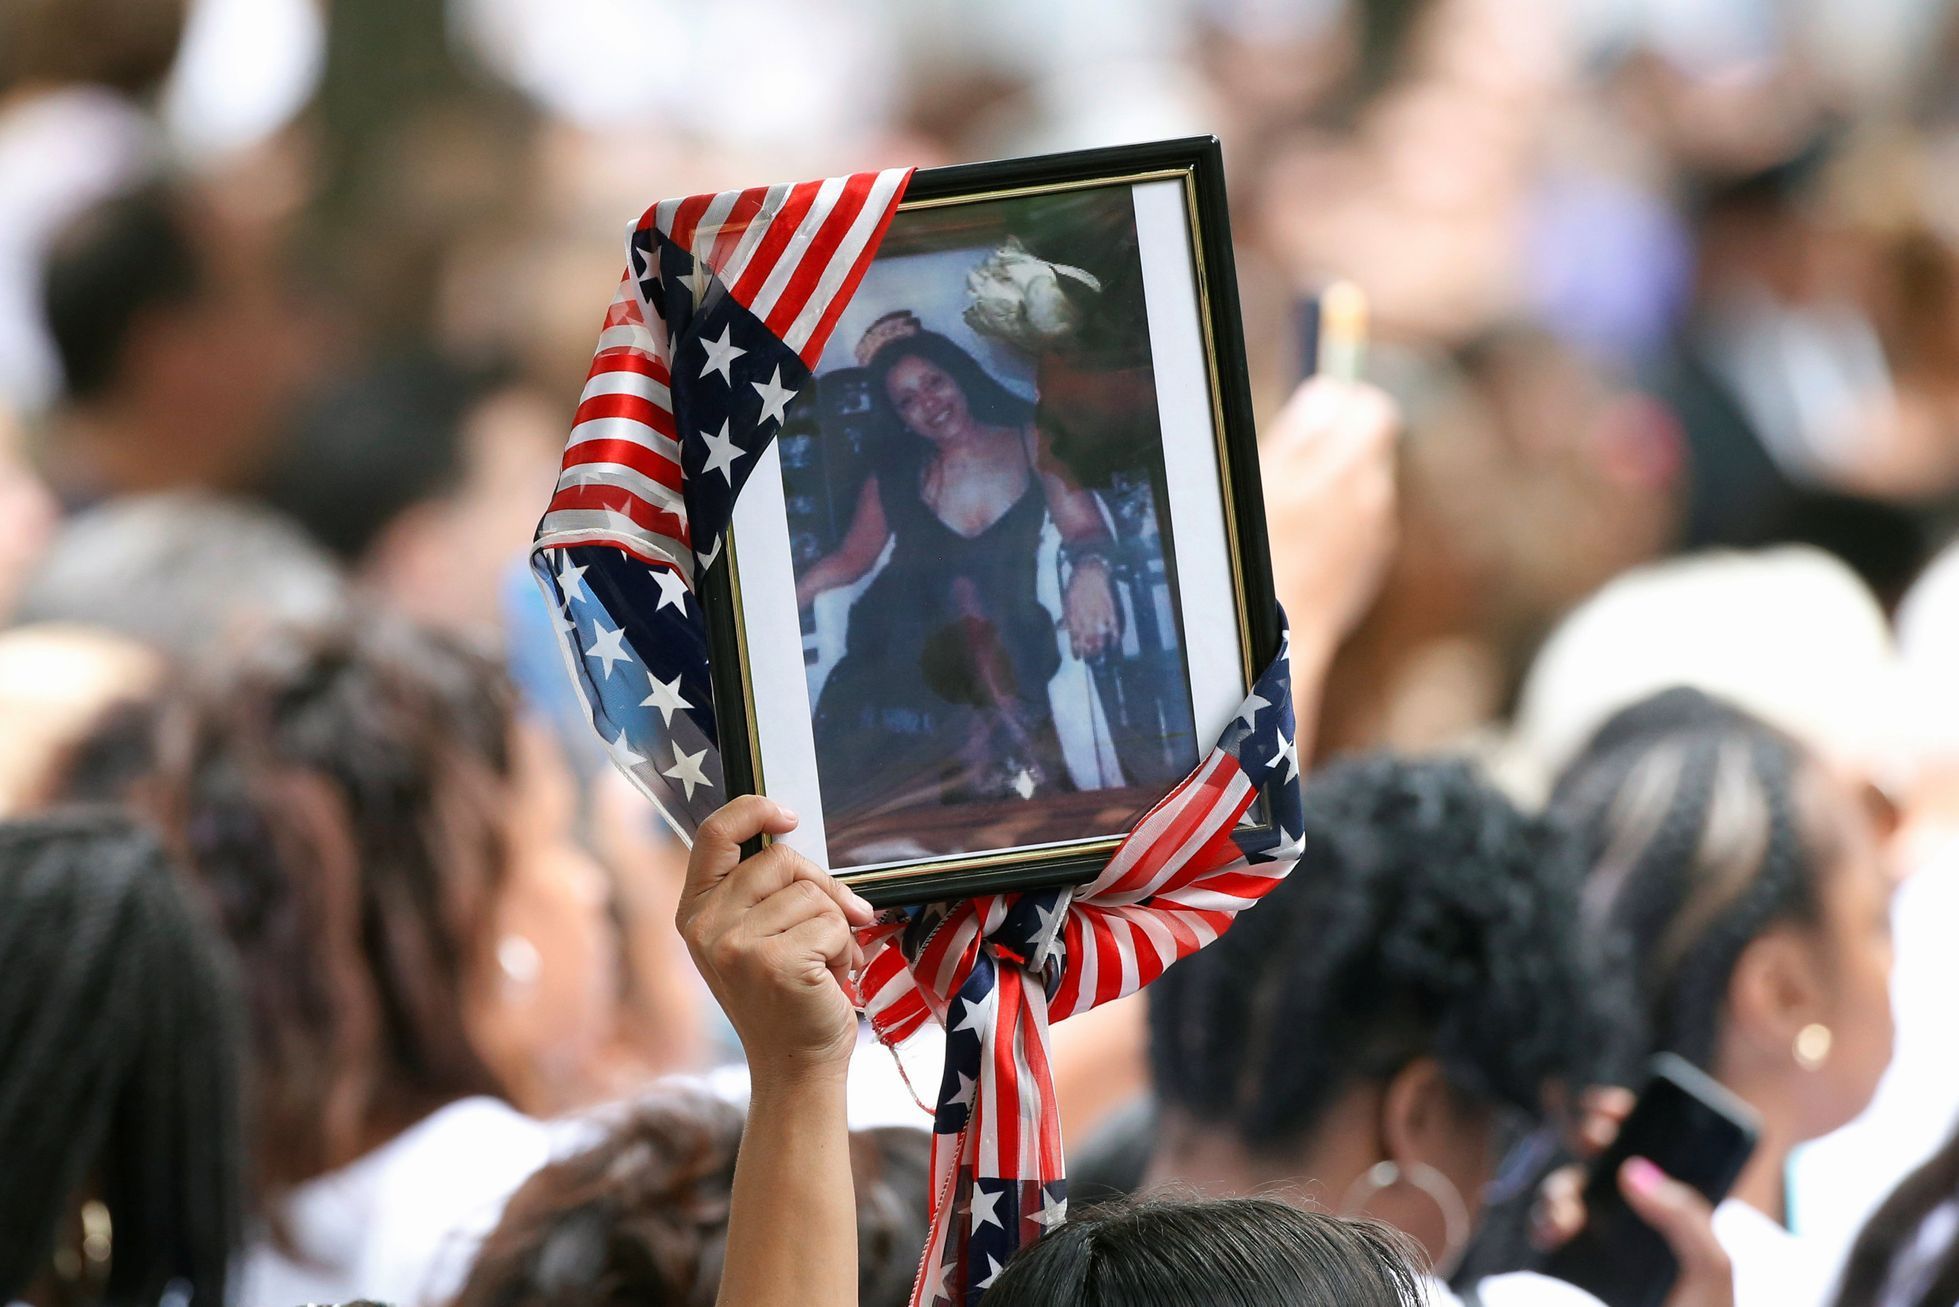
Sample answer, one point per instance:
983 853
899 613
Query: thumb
717 844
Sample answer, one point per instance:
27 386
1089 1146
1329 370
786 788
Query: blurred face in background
1852 943
225 364
445 560
552 1005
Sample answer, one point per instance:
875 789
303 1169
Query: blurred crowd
296 297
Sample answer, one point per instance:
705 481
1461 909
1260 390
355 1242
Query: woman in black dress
941 694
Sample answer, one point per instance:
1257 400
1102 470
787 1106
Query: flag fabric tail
995 971
724 307
719 318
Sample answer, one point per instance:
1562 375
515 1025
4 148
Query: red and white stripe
621 479
793 255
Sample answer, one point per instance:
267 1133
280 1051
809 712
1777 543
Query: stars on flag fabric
724 308
994 971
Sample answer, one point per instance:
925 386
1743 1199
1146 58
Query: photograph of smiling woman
988 600
949 651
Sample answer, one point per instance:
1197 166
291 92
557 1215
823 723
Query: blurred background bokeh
298 295
1647 275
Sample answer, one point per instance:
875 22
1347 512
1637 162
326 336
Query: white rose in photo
1020 298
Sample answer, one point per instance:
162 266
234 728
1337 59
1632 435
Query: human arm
1088 604
772 936
1328 464
858 552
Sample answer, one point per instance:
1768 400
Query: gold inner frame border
1094 846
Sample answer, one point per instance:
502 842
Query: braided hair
1691 814
120 1062
1429 917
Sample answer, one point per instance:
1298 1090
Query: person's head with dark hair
891 1170
115 272
1738 883
938 391
421 473
120 1062
641 1216
380 441
177 349
1226 1252
1376 1023
390 854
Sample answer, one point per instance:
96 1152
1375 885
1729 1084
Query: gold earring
1813 1045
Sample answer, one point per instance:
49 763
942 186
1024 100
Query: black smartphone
1691 1128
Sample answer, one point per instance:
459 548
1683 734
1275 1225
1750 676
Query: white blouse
400 1225
1517 1289
1773 1268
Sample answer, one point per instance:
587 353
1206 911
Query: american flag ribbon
724 308
723 311
996 970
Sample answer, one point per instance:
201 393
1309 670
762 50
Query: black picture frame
1199 161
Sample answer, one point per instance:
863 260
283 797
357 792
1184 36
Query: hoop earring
1435 1186
1813 1046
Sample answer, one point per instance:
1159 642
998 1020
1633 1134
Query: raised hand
772 936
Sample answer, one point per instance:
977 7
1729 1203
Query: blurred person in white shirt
388 850
1890 1179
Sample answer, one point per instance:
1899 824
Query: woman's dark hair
1222 1252
338 796
120 1059
1876 1273
641 1217
987 400
1695 820
1428 917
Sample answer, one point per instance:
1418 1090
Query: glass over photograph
980 537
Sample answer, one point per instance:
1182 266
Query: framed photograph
1002 580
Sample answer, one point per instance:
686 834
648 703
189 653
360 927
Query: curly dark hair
1699 825
641 1216
1428 917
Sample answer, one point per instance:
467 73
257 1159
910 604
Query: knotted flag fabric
726 304
994 971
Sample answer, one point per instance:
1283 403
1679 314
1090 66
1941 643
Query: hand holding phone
1649 1196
